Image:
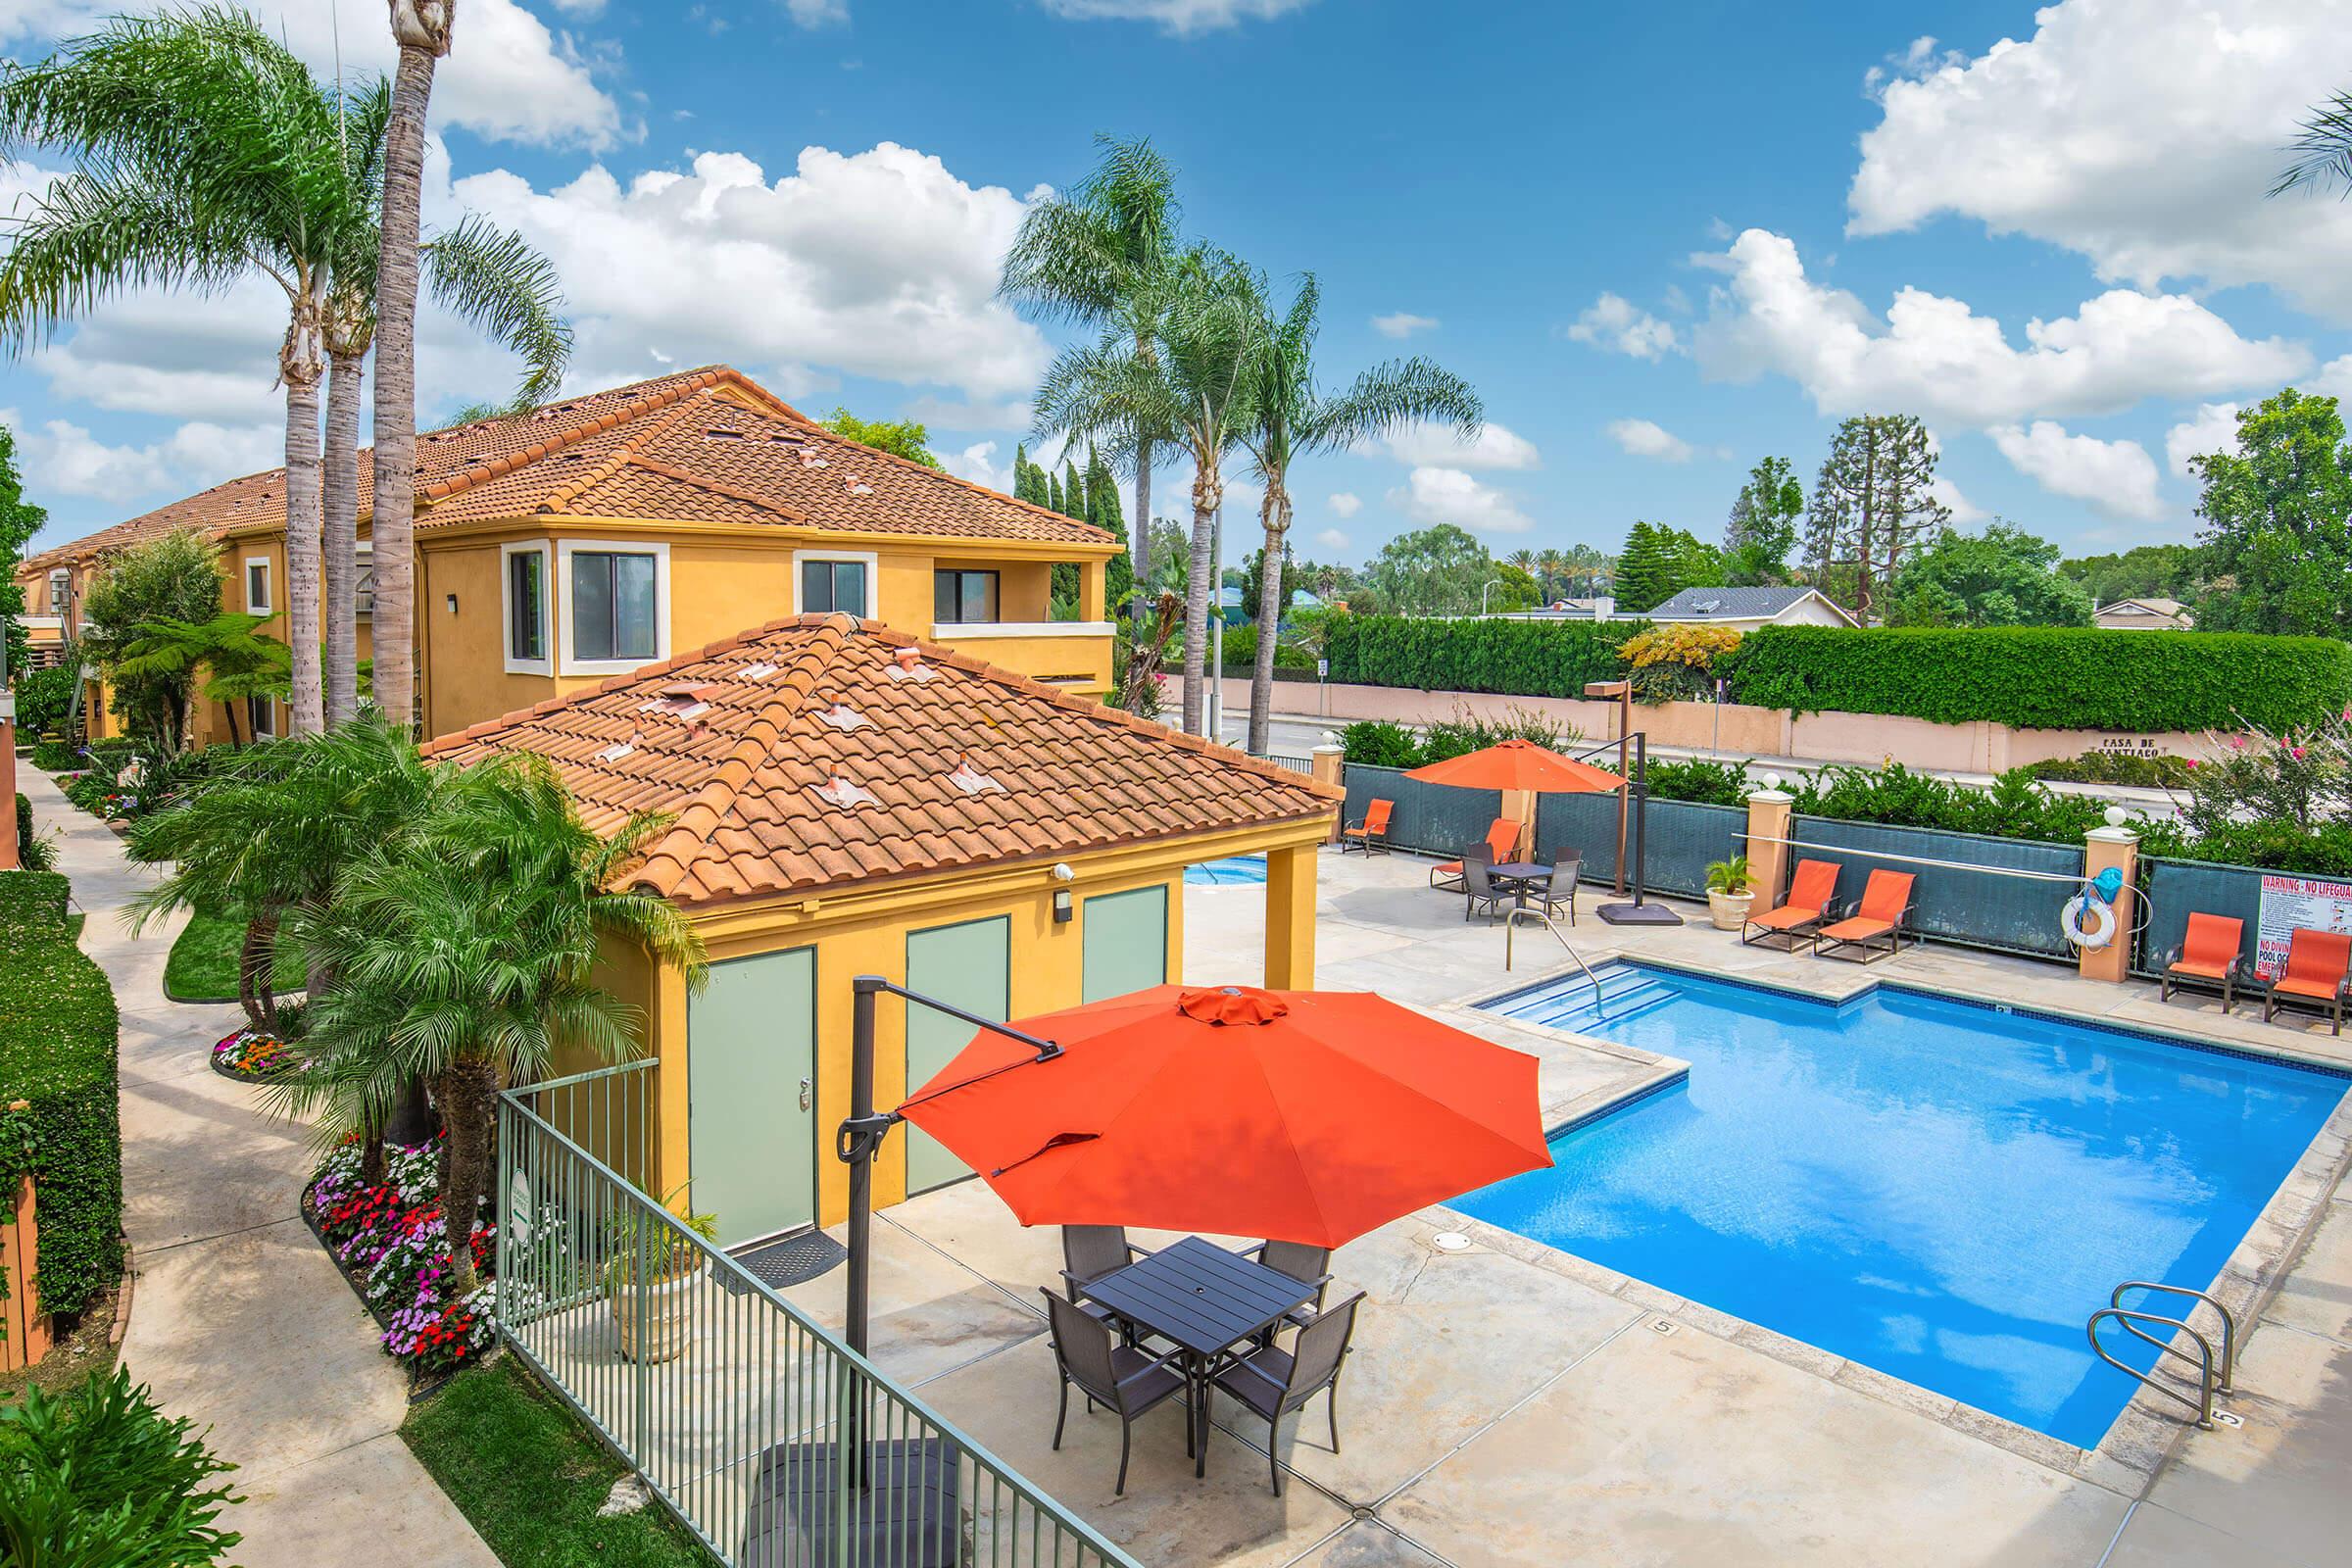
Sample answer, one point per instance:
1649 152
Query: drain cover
1450 1242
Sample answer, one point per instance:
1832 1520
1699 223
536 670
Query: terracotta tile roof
708 445
965 766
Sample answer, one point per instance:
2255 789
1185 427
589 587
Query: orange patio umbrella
1296 1116
1520 766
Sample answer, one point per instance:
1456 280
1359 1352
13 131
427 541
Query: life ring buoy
2087 923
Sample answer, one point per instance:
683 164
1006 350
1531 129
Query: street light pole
1482 596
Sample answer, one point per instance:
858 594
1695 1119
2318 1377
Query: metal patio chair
1124 1380
1273 1381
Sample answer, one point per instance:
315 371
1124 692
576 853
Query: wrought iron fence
1297 764
773 1441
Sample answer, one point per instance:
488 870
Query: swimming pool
1939 1190
1235 870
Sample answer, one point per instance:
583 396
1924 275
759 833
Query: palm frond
496 279
2323 148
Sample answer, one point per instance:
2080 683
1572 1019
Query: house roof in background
1734 604
2154 607
746 742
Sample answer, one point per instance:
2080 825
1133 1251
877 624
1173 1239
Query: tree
228 647
172 578
464 952
2276 544
1105 256
1762 529
1874 502
20 520
1647 569
421 30
2324 150
1287 417
900 438
1438 571
2169 571
2003 576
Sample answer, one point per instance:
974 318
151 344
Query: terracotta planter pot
1729 911
665 1330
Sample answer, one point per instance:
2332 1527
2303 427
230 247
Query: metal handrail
1510 923
2229 1360
2075 878
2203 1402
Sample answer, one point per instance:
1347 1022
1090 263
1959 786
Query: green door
751 1049
1126 943
968 967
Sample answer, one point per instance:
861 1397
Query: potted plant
649 1274
1729 893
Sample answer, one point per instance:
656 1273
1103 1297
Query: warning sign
2291 904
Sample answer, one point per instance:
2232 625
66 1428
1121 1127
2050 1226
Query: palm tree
1103 257
463 954
1196 382
421 29
1286 415
1551 570
205 153
243 663
2324 150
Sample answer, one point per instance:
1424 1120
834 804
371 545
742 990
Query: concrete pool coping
2150 1426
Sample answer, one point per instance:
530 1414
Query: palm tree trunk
345 374
469 1088
1274 515
421 29
1138 532
301 365
374 1167
256 963
1208 488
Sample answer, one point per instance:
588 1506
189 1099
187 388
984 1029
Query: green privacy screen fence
2174 888
1977 909
1685 839
1433 819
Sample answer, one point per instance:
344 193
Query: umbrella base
1637 915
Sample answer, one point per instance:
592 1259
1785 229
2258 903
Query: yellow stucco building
849 800
559 547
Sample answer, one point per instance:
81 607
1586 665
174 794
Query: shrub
1676 663
56 1051
1707 783
2045 676
2145 769
45 698
100 1476
2017 807
1520 657
2325 851
1378 743
54 757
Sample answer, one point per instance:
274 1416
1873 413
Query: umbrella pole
1640 912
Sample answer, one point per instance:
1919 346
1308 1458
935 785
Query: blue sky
1662 242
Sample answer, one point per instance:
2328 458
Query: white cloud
1936 357
1644 438
509 76
586 9
2212 429
1403 323
65 459
879 263
1179 16
1497 445
2118 477
1344 504
2140 133
1963 509
977 463
1332 540
2333 380
818 13
1620 326
1434 495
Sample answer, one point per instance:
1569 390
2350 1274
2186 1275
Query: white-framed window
61 589
258 601
363 580
612 604
827 582
526 622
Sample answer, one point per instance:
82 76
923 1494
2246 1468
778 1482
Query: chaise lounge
1880 916
1503 836
2209 955
1792 924
1371 835
2318 964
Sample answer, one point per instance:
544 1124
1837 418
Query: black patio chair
1556 889
1300 1262
1479 888
1124 1380
1273 1383
1090 1252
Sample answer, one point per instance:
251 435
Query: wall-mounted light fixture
452 600
1063 908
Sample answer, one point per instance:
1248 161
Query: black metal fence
1433 819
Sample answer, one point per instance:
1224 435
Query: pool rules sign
2291 904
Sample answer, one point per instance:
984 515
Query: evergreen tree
1873 503
1073 492
2276 545
1103 509
20 520
1645 570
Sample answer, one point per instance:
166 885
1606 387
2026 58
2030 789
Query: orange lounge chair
2208 954
1810 889
1371 835
1503 836
1885 910
2317 965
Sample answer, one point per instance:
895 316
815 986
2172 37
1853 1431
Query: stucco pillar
1770 810
1329 765
1291 918
8 778
2117 845
1520 806
1092 590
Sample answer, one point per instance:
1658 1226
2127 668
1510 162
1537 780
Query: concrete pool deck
1514 1404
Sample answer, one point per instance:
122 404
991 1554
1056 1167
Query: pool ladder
2213 1375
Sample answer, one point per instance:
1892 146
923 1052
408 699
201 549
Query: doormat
793 1260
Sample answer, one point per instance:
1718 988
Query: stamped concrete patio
1514 1404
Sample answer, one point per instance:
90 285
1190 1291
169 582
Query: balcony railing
771 1439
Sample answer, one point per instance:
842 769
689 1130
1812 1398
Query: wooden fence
24 1329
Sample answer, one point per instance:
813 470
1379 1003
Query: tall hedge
1516 657
56 1051
2045 677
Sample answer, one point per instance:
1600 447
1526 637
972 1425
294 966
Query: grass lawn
530 1477
203 966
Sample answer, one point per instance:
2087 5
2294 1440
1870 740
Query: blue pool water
1941 1191
1233 870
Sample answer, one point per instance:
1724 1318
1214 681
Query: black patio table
1521 875
1205 1299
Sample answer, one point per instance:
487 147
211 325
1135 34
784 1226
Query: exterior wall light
1063 908
452 600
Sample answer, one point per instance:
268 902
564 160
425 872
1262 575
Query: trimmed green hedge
2045 677
1516 657
57 1050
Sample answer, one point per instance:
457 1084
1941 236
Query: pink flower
2193 762
2295 752
2237 743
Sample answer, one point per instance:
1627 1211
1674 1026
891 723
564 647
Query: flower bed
256 1057
392 1243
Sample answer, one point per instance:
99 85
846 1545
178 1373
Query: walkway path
237 1318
